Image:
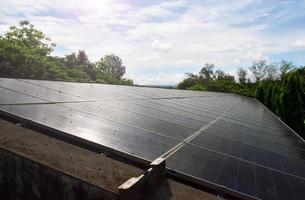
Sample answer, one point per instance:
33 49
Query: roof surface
219 140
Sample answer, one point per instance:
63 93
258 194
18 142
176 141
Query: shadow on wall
161 191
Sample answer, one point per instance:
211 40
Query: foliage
242 75
258 69
260 92
25 53
218 81
206 73
110 67
268 94
198 87
189 82
292 97
284 68
271 71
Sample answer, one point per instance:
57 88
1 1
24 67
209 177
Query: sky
159 41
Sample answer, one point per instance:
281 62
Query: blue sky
161 40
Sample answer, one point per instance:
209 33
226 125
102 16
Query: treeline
286 98
279 86
25 53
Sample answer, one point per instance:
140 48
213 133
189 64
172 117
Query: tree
86 66
292 100
228 78
82 58
277 106
268 95
79 66
301 72
111 67
74 60
271 72
71 60
258 69
284 67
190 81
206 72
25 52
219 74
191 75
260 92
242 75
27 36
249 81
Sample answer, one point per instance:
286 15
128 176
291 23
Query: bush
198 87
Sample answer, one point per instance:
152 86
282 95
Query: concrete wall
22 178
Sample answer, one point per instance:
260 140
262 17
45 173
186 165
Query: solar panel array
221 139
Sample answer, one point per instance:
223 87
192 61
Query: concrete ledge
63 159
133 186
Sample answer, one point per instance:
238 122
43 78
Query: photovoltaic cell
133 140
36 91
236 174
124 116
8 96
224 139
151 111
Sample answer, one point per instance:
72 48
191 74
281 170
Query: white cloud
168 35
156 44
159 79
299 44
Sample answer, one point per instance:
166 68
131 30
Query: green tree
292 100
268 95
271 72
260 92
82 58
242 75
228 78
219 74
110 67
258 70
284 68
190 81
85 65
79 66
25 52
206 72
277 106
70 60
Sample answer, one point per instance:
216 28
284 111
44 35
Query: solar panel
135 119
225 140
126 138
236 174
36 91
8 96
